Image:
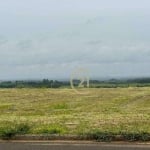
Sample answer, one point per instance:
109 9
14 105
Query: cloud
94 42
3 40
96 20
52 51
87 33
24 44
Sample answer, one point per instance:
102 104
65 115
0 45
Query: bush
136 136
100 136
9 131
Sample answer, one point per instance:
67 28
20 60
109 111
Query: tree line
45 83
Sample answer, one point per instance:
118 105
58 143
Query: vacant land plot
62 111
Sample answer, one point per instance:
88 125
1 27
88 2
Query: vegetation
8 130
45 83
100 114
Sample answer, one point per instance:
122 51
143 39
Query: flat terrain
69 146
65 112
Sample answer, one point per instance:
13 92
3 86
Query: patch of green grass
49 129
61 106
5 106
10 130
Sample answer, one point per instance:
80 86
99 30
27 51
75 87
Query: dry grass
62 111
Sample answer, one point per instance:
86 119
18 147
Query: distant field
62 111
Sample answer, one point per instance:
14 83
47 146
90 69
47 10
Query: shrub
100 136
9 131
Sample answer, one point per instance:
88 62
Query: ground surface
63 111
69 146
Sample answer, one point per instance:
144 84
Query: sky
53 38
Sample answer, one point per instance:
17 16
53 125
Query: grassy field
64 112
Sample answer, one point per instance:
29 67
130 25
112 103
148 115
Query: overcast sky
51 38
